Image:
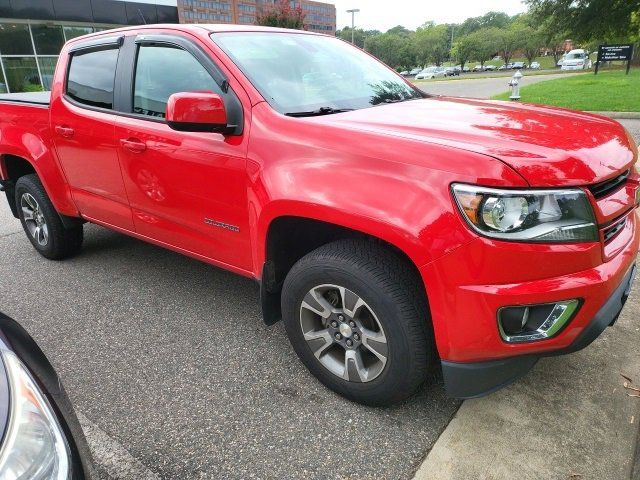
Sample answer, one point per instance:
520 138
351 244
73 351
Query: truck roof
187 27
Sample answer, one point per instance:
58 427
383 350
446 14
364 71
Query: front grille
603 189
610 232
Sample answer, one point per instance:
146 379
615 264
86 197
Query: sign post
615 53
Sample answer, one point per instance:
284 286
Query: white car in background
432 72
534 66
576 60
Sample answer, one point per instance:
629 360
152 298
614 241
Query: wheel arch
28 153
13 167
288 238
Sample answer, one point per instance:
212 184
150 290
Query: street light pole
353 24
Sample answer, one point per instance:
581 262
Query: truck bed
34 98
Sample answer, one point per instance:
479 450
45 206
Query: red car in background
389 229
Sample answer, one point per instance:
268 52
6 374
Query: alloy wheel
344 333
34 219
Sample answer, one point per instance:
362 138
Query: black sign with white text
615 53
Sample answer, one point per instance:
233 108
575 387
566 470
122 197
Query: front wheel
41 222
357 317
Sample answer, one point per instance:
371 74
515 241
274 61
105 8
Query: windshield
299 72
576 56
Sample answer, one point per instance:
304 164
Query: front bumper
470 380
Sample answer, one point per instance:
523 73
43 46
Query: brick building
320 17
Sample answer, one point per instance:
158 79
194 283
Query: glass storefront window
73 32
48 39
15 39
22 74
47 67
3 84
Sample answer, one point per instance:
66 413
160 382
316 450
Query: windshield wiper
319 112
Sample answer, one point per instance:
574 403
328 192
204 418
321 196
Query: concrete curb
570 417
620 115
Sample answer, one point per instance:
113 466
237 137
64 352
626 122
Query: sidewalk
570 418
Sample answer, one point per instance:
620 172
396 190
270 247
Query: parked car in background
466 69
452 71
519 66
509 237
431 72
405 73
415 71
490 68
478 68
561 61
506 66
534 66
577 59
41 436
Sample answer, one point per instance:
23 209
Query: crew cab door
186 189
83 122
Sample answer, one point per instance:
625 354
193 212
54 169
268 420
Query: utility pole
453 27
353 24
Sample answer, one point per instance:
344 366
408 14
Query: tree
552 39
486 43
532 41
489 20
400 30
431 43
281 14
508 40
463 50
394 50
610 20
359 35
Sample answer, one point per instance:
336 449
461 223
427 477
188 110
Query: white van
576 60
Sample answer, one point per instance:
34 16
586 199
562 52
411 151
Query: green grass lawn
608 91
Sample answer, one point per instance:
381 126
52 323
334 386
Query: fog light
529 323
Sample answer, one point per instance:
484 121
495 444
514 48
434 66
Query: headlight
34 445
552 216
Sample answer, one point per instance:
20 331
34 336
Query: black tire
61 242
393 290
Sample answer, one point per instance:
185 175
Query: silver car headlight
34 445
552 216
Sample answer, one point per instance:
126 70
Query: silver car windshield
298 72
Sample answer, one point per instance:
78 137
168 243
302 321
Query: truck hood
547 146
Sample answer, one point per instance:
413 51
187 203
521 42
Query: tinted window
163 71
92 76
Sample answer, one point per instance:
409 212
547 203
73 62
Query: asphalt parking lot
471 86
169 363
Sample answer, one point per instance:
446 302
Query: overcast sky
385 14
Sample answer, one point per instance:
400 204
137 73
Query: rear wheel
41 222
357 317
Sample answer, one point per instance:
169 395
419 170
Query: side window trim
101 43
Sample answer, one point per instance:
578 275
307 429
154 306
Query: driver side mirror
197 112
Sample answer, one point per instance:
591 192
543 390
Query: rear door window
92 77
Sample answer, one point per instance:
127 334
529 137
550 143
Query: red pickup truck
392 231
